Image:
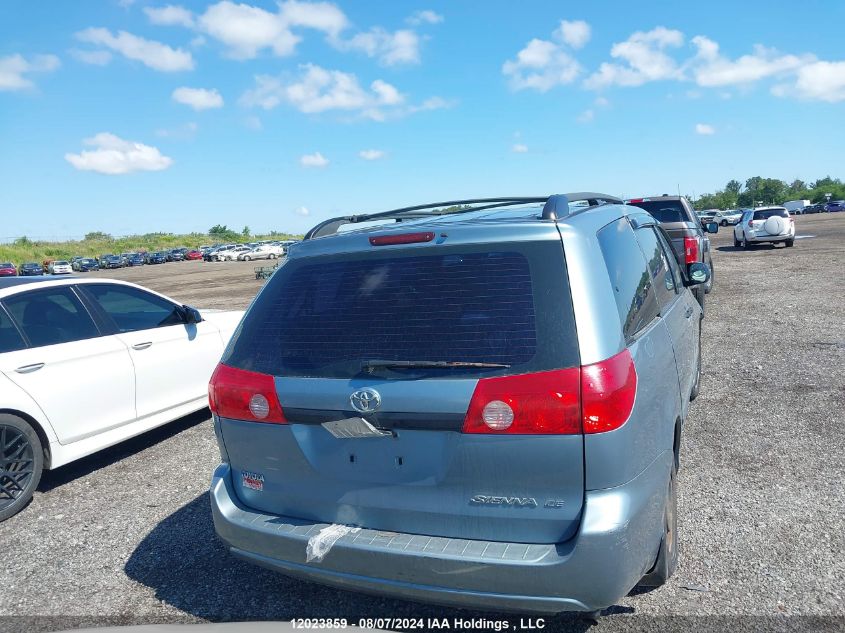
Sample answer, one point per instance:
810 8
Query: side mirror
698 273
711 227
192 315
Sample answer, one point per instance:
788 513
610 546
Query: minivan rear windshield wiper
447 364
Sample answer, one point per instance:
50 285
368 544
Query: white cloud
391 49
320 90
602 102
519 148
322 16
95 58
822 81
704 129
371 154
313 160
198 98
541 66
170 15
13 69
576 34
424 17
587 116
644 59
246 30
303 211
113 156
154 54
710 68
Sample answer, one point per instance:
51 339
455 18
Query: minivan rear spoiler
554 207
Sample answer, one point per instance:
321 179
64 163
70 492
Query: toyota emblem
365 400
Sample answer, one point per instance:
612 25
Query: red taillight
542 403
608 390
403 238
244 395
589 399
690 250
635 200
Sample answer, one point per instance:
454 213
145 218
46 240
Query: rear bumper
616 544
754 239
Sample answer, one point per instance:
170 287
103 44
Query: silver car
481 408
765 225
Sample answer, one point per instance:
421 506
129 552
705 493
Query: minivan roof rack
554 207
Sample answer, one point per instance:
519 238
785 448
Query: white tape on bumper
320 544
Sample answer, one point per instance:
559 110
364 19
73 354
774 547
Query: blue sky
136 116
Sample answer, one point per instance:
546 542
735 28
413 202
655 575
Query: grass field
24 250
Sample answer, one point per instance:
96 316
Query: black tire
723 223
745 243
790 243
667 554
21 464
247 258
736 241
696 387
271 256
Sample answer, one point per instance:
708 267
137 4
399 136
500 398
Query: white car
60 267
731 216
88 363
231 254
265 251
765 224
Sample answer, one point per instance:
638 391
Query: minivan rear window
322 316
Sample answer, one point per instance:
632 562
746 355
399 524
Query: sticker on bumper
253 481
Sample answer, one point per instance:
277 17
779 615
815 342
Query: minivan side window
50 317
665 280
132 309
629 277
10 338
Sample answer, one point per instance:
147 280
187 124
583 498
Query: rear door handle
28 369
140 346
688 313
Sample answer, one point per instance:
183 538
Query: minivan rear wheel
21 464
667 555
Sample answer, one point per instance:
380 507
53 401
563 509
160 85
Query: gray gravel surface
125 536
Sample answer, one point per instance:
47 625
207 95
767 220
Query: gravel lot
125 536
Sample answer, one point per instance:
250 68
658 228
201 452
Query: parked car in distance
563 345
86 363
59 267
707 215
157 257
175 255
814 208
135 259
264 251
85 264
230 254
724 218
111 262
835 206
765 225
796 207
193 255
45 265
7 269
689 237
30 269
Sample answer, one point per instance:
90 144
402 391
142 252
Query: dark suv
480 404
685 229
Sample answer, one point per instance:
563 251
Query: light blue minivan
476 403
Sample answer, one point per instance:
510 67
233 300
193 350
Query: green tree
734 187
219 229
98 236
246 232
